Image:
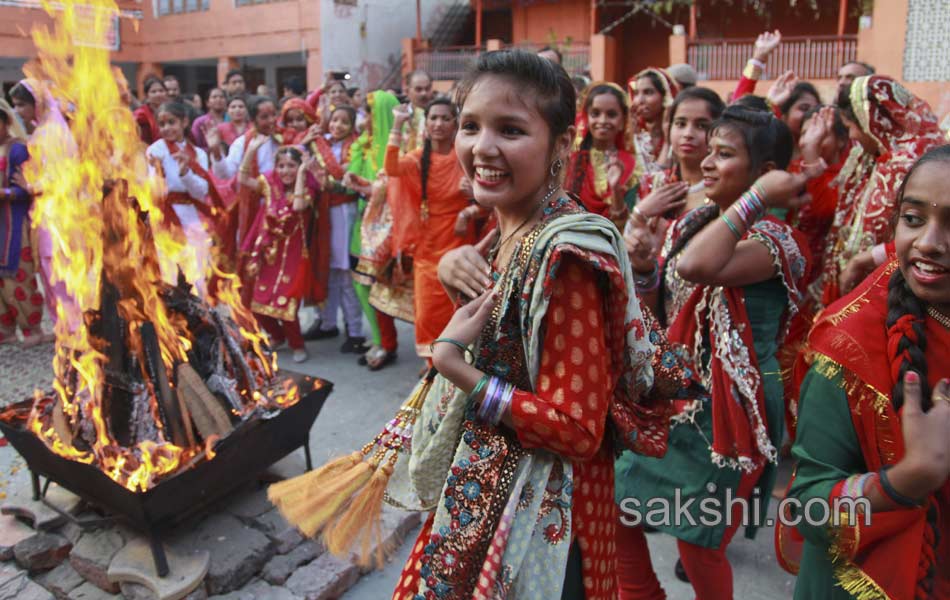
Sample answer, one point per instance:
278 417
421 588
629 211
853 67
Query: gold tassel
291 491
344 498
360 524
857 583
311 513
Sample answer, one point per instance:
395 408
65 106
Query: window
177 7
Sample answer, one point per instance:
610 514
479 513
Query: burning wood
148 375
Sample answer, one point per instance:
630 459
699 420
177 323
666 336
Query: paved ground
359 405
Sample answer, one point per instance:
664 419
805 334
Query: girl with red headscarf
869 429
296 122
602 167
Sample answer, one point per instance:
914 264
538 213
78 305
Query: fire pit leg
35 478
158 554
306 454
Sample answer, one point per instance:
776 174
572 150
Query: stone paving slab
61 580
238 552
15 585
134 564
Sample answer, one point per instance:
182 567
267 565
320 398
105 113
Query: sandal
379 359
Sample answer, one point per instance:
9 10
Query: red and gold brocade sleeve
568 412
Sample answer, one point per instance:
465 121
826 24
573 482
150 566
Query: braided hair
426 160
906 347
906 314
767 140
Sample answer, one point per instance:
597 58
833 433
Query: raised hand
781 90
781 189
765 44
401 114
670 197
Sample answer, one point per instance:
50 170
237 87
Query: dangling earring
556 167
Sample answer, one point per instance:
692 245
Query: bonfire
149 374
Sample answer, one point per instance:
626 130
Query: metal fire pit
244 454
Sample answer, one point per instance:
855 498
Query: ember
149 376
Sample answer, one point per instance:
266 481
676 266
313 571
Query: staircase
450 24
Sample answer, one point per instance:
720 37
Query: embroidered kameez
278 253
517 501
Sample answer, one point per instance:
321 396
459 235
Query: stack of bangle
854 486
751 207
498 395
647 282
895 496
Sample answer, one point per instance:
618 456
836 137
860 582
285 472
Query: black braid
424 167
702 217
902 301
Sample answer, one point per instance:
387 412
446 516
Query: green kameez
827 450
687 465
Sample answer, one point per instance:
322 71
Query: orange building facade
200 40
615 40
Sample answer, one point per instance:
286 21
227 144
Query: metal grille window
927 46
253 2
178 7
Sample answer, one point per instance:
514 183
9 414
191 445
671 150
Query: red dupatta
718 315
904 127
893 556
148 125
324 152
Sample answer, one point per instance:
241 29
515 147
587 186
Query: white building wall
365 39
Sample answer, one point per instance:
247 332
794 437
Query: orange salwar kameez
426 230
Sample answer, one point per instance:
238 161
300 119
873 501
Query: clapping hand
182 159
212 135
668 198
781 90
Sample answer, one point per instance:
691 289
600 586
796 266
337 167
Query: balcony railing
446 63
451 62
810 57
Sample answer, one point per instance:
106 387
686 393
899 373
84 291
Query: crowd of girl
635 293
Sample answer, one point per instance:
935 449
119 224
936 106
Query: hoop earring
556 167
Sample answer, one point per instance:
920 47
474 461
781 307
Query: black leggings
574 578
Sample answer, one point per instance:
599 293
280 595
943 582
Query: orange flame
71 166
